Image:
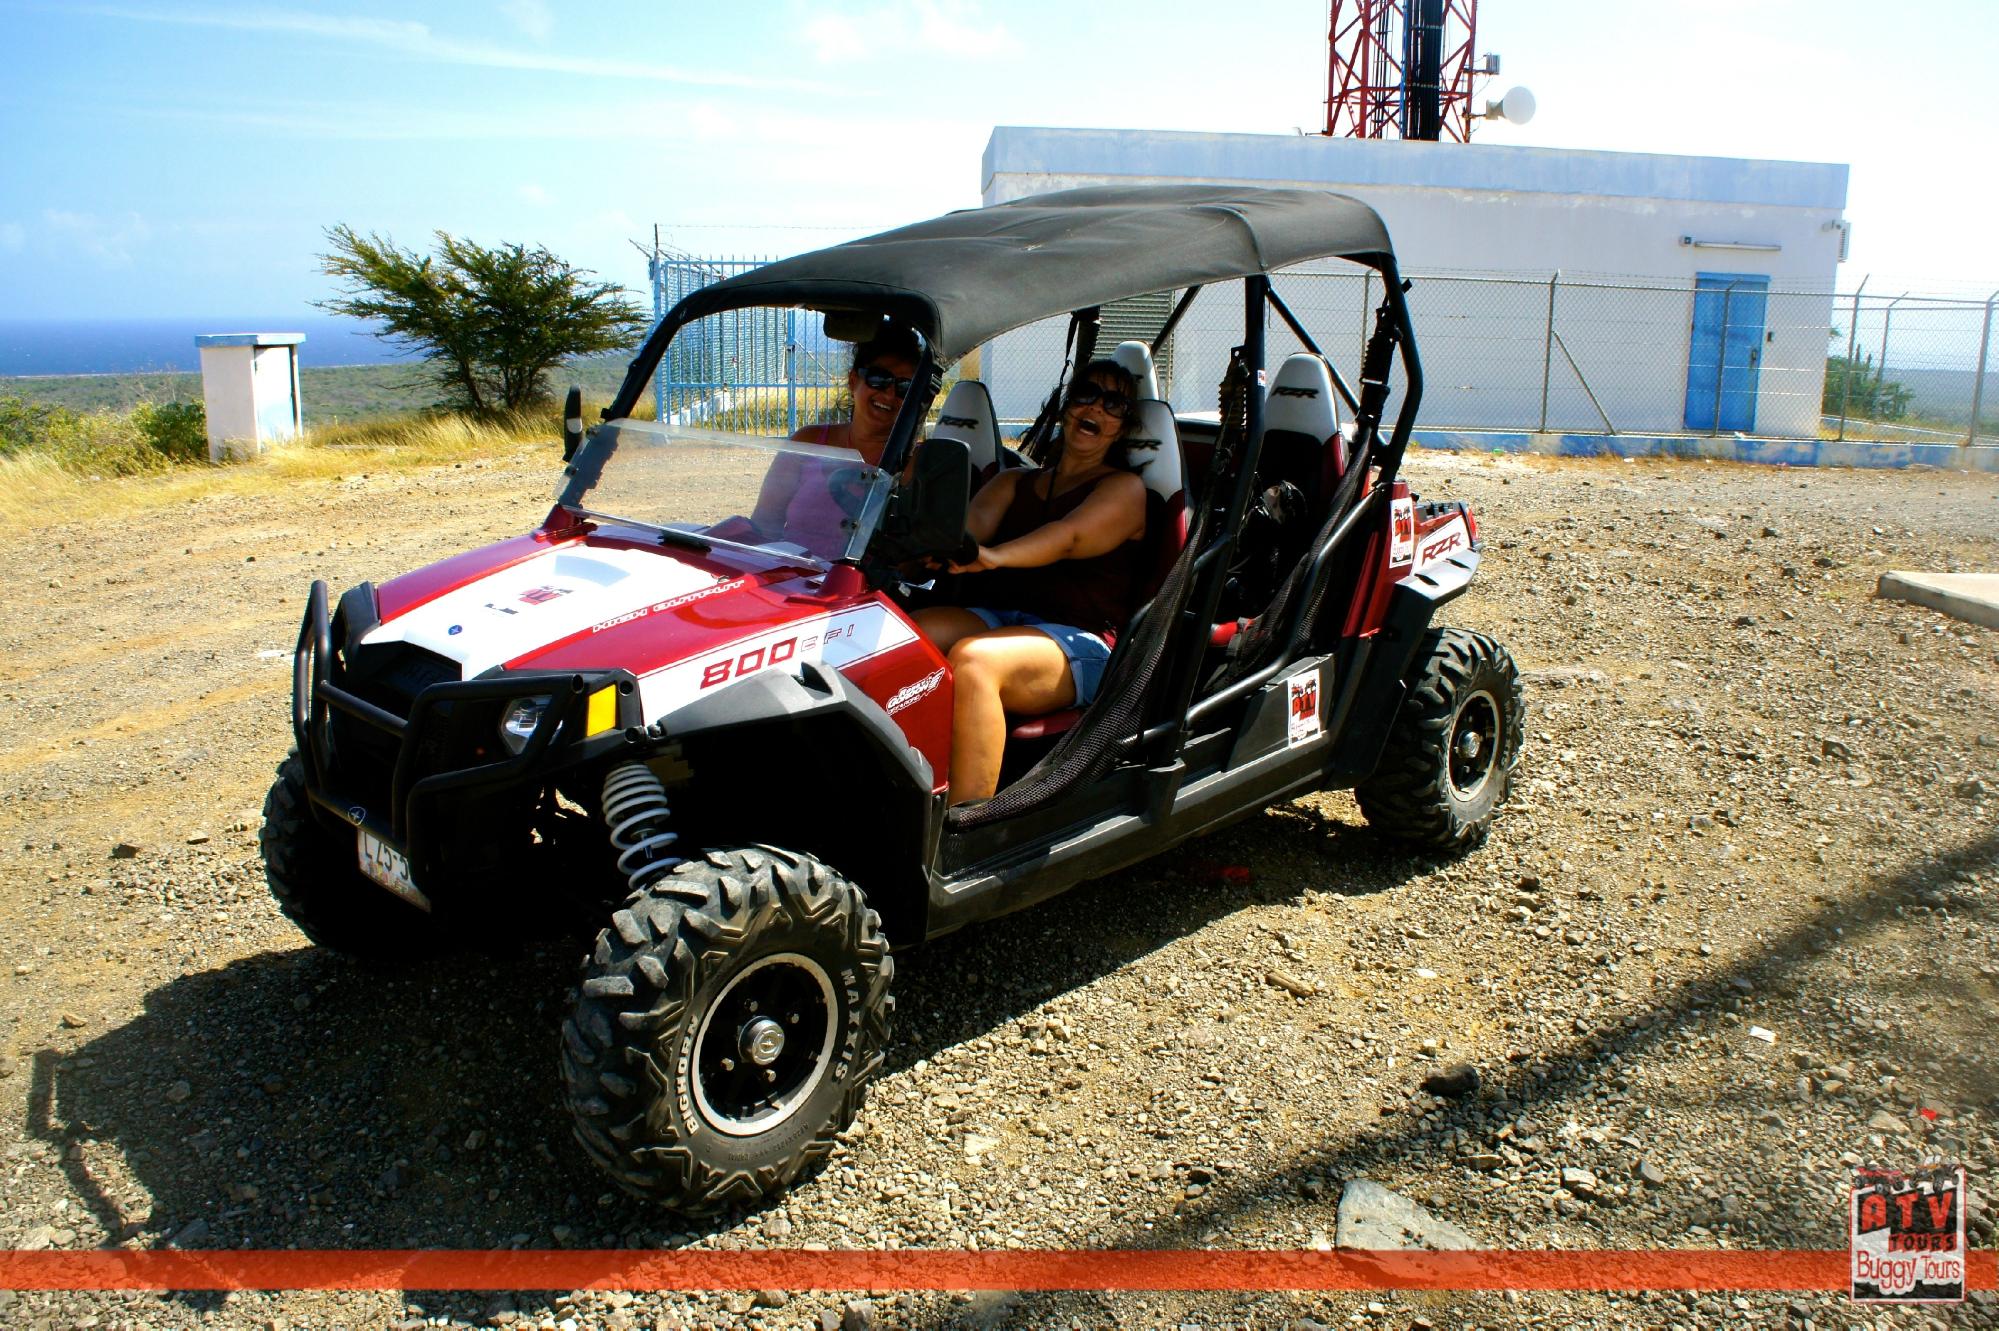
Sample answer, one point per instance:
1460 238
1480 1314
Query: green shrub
100 443
24 423
177 431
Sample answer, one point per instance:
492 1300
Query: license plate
390 867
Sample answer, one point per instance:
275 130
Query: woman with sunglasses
806 500
1059 567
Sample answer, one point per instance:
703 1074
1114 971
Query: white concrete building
249 389
1695 293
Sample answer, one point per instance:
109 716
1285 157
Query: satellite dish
1517 106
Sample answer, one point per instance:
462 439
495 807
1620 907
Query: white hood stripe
540 601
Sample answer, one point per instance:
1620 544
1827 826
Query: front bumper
437 768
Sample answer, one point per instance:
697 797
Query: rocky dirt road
1735 934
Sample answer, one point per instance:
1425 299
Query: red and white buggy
737 741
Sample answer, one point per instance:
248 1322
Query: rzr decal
1447 539
542 595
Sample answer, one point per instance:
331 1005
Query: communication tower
1403 69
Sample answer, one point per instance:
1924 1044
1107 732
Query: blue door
1725 354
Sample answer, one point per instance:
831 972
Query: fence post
1548 349
1881 370
1852 339
658 270
791 372
1978 381
1721 357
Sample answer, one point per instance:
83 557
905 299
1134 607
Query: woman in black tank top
1059 563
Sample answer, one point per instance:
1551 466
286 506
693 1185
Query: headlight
517 723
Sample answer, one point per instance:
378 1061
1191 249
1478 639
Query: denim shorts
1087 652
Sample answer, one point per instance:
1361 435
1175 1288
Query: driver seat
967 416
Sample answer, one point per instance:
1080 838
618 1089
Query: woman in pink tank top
798 501
1057 572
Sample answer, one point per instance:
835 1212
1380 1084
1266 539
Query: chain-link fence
1726 353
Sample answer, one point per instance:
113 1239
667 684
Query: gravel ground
1735 933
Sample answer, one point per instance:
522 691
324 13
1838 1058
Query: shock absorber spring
636 810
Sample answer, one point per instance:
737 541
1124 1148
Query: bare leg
946 624
994 672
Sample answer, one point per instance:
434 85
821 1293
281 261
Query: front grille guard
315 697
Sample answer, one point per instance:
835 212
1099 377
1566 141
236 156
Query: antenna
1404 69
1515 108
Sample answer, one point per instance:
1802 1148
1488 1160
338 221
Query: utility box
249 388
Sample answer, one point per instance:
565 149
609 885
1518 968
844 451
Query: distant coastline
52 348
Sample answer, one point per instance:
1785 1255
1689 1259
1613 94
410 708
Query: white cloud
531 17
835 39
417 41
945 27
534 194
110 240
926 27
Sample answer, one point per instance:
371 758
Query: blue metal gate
769 370
1725 353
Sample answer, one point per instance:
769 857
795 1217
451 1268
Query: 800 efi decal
838 640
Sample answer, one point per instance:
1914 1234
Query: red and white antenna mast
1402 69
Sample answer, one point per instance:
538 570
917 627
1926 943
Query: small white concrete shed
249 388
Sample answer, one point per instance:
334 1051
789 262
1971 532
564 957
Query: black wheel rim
1474 746
764 1044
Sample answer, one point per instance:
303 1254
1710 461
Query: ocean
123 346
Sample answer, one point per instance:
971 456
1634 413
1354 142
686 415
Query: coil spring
635 807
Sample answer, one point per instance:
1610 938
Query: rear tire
727 1027
1448 763
313 875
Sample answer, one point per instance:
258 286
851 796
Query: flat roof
1315 160
248 339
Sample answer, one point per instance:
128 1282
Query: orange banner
934 1269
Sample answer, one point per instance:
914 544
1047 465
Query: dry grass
35 485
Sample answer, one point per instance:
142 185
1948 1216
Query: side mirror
572 422
927 513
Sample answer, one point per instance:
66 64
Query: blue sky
166 159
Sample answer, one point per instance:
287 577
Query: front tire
1448 762
727 1026
313 875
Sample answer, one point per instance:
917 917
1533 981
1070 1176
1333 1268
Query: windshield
728 488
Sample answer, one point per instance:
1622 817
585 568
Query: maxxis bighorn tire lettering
1448 762
313 875
665 1003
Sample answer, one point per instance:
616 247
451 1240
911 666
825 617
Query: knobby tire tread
641 980
1408 796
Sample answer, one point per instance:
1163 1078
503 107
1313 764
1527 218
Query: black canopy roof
968 276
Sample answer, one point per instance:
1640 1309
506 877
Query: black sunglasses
1090 393
877 378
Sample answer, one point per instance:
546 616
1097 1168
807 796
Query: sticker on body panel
1443 542
1302 717
839 640
914 693
1401 533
